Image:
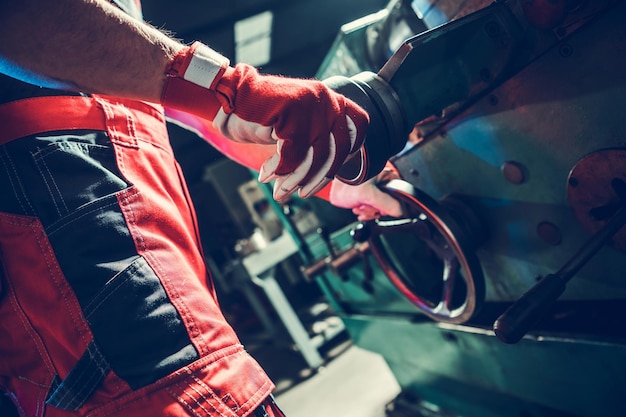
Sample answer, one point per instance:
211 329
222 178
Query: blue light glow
11 69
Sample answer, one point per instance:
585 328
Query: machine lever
518 319
337 261
340 262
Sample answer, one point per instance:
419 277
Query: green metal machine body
503 290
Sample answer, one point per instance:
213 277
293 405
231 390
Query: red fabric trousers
106 305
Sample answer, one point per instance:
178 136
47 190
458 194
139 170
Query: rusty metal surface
589 187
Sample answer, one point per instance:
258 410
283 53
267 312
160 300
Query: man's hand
367 201
314 128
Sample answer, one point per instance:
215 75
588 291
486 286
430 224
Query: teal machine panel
502 290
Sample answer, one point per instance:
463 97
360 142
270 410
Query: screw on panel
549 233
514 172
566 50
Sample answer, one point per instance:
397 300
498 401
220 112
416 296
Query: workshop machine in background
502 291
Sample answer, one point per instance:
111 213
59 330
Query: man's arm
89 44
94 47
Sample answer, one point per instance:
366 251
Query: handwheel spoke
450 272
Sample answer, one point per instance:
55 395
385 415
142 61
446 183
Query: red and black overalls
106 305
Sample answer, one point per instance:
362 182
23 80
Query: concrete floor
352 382
357 383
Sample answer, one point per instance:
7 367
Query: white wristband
205 65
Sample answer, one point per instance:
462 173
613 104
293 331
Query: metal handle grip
520 317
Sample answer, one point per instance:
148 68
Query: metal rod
594 244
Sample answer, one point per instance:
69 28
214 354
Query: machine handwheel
447 235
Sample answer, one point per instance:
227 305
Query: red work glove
314 128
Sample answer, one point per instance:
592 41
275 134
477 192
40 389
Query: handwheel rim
460 245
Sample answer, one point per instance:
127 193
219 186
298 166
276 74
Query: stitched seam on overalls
229 397
17 403
46 250
45 358
167 386
86 384
52 230
130 122
21 194
91 308
191 409
113 135
14 299
182 308
126 197
56 187
170 289
41 393
253 398
64 293
200 393
116 135
262 388
205 386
